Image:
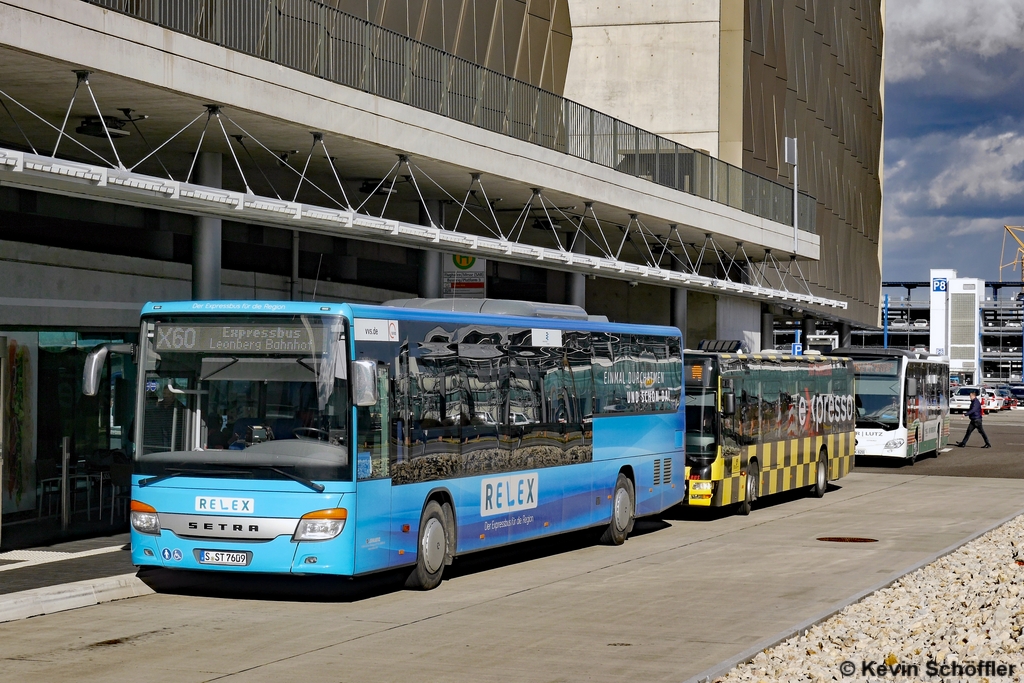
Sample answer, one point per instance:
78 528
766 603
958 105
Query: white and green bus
902 400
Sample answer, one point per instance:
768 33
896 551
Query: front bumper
280 555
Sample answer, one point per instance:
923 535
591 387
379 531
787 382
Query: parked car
1009 400
961 399
991 401
898 322
920 322
1018 393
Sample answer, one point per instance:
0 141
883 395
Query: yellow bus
759 424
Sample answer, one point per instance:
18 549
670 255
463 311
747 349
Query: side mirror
94 363
364 383
728 403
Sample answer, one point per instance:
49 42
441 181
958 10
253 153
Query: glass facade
43 409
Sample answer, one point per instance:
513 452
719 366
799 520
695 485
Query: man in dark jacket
974 414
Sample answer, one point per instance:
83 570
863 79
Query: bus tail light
144 518
322 525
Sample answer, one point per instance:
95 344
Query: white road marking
28 558
945 450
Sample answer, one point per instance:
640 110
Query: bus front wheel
623 507
821 475
750 494
432 550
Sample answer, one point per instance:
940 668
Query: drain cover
847 539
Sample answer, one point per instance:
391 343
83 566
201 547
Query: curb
724 667
39 601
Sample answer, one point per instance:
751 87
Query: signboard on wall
463 277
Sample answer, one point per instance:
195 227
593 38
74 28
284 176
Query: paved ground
65 562
682 595
1004 460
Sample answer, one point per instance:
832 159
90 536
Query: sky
954 136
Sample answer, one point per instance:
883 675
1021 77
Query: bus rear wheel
750 493
433 549
623 509
820 475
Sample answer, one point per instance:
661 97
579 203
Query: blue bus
342 439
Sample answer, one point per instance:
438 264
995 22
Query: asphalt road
1004 460
684 593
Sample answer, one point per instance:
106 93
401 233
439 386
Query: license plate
859 451
223 557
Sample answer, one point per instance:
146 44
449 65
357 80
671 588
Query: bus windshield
701 423
878 394
261 398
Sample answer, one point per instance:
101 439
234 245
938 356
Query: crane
1014 231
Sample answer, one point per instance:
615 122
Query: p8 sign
939 284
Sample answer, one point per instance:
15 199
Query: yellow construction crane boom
1014 231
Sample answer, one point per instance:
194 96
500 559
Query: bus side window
771 404
580 376
401 409
604 347
748 408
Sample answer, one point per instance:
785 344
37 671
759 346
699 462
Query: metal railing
319 40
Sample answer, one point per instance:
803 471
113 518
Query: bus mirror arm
728 403
95 361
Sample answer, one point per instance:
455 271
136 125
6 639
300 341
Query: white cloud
921 34
972 246
957 172
978 166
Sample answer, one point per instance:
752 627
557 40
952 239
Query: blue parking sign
939 284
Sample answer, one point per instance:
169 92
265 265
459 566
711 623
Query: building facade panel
810 69
814 73
528 40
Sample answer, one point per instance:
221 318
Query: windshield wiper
880 423
231 361
319 488
170 472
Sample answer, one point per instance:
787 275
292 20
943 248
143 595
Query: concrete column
767 327
576 283
296 284
206 238
845 336
678 314
807 326
430 261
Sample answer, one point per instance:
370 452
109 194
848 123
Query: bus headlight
895 443
144 518
322 525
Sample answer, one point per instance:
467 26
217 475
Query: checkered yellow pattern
784 465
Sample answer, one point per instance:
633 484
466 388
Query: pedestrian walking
974 414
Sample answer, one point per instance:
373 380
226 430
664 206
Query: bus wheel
623 507
750 495
820 474
432 550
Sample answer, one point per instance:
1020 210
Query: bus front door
373 490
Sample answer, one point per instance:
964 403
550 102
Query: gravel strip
957 619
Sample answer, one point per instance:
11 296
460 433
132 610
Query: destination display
876 367
240 339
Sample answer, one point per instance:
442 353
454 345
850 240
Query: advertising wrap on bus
761 424
341 439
